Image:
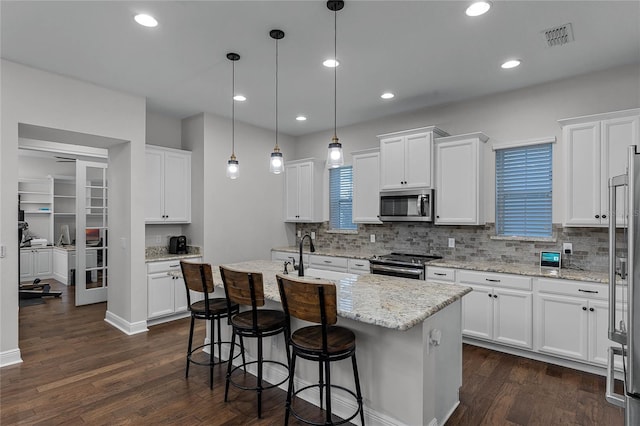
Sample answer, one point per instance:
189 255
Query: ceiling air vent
557 36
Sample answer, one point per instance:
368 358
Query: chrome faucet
300 262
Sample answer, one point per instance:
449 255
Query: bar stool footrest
269 385
212 345
343 421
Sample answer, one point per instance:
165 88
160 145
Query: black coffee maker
178 245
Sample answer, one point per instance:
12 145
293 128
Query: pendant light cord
233 109
276 94
335 71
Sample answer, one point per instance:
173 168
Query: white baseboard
10 357
156 321
126 327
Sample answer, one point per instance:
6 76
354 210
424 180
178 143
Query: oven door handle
409 271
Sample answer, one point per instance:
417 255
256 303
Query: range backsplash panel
590 245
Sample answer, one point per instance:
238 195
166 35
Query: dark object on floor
31 302
36 290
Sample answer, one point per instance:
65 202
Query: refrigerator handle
618 336
612 397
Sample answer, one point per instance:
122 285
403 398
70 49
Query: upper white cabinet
168 195
366 186
595 150
303 191
406 158
459 180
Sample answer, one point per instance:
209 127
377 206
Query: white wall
44 99
241 219
523 114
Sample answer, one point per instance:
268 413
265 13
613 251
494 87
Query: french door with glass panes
91 232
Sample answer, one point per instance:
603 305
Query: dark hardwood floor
79 370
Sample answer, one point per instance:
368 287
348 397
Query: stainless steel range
401 265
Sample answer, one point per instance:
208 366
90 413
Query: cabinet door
305 192
26 264
43 263
562 327
513 317
154 194
599 332
177 187
418 160
392 163
291 193
366 188
583 153
180 295
617 135
161 293
477 313
457 183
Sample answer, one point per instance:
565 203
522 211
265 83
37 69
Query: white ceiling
426 52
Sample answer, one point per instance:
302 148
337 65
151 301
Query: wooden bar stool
325 343
246 289
198 278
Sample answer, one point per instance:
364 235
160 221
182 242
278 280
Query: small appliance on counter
178 245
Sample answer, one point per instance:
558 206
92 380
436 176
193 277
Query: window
523 191
341 198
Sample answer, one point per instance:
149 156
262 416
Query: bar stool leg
321 383
211 348
244 362
259 377
358 391
219 339
290 388
189 347
229 365
327 370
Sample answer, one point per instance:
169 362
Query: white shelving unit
36 199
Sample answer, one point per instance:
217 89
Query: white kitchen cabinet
572 320
438 274
460 180
303 193
166 293
168 185
358 266
36 263
406 158
366 186
500 308
596 150
329 263
64 260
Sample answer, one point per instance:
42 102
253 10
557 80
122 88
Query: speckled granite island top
353 254
396 303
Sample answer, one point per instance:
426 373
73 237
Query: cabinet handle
174 266
588 291
440 274
584 308
492 280
359 264
597 216
604 216
328 261
489 295
591 309
495 296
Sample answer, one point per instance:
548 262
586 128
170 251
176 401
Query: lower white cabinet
501 312
327 263
573 320
64 261
166 293
36 263
359 266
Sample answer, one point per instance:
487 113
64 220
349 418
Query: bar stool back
246 289
316 302
199 279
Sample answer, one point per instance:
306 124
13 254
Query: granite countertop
521 269
390 302
160 253
353 254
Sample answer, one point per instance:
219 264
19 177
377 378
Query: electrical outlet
452 242
299 234
313 235
567 248
3 250
372 238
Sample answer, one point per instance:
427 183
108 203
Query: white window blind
341 198
524 190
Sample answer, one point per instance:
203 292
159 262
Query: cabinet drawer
573 288
168 265
329 262
494 280
281 256
441 274
358 265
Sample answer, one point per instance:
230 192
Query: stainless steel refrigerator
624 286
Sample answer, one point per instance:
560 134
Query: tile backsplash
590 245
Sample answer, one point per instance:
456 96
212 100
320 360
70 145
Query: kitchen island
409 344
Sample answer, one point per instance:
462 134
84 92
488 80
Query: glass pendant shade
335 158
233 168
276 163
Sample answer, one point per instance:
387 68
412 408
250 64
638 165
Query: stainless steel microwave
407 206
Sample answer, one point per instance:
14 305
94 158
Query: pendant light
276 163
233 168
335 158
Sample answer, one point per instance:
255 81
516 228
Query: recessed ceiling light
478 8
512 63
387 95
239 98
146 20
301 118
331 63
